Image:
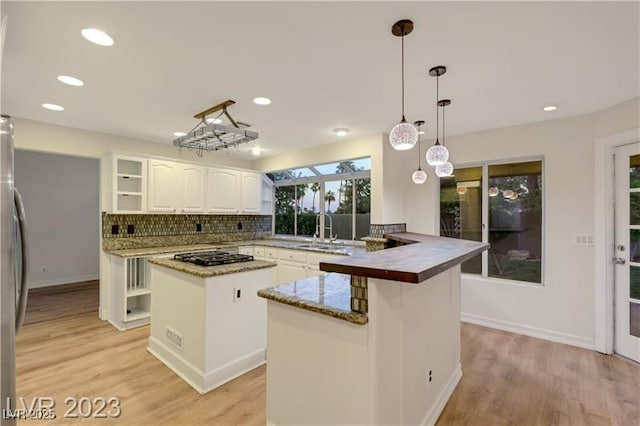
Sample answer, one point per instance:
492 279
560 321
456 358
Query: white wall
60 195
44 137
562 309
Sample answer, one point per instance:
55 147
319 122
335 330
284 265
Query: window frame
484 276
321 179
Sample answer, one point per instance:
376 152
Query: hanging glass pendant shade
403 135
419 176
445 169
437 154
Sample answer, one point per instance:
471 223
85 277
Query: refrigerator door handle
24 291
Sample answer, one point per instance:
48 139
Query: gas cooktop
212 258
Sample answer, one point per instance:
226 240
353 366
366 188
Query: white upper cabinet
164 186
194 179
149 185
128 184
251 190
223 191
266 205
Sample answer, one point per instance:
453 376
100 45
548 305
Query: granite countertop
328 294
374 239
343 250
211 271
152 251
423 257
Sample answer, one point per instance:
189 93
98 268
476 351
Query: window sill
490 280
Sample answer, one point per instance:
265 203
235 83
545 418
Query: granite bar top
343 250
328 294
423 257
211 271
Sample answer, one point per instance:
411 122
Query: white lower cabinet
295 265
129 292
290 271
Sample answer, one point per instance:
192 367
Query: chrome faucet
332 237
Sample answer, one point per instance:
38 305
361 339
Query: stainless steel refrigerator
13 269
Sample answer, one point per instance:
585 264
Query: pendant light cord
402 54
443 129
437 112
419 148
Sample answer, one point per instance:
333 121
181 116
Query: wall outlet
583 240
237 294
174 338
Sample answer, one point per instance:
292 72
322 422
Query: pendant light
419 176
403 135
437 154
445 169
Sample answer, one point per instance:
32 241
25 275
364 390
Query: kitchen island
382 348
207 323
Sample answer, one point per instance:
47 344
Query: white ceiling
325 65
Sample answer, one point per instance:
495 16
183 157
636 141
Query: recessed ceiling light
97 36
550 108
341 131
179 134
53 107
71 81
213 120
261 101
256 150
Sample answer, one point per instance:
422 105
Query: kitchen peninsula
376 341
207 324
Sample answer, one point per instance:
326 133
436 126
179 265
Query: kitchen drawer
248 250
259 251
293 255
314 259
271 252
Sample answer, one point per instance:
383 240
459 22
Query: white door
251 186
164 186
627 251
193 188
223 191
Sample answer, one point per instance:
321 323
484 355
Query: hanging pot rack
210 137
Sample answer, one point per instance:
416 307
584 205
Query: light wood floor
64 350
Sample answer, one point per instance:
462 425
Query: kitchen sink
316 246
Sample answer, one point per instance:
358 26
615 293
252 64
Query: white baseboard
436 409
60 281
235 368
201 382
527 330
190 374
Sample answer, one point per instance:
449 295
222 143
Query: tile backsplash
138 230
378 231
